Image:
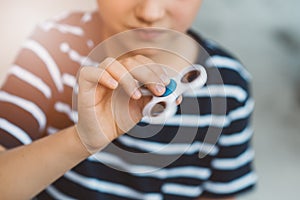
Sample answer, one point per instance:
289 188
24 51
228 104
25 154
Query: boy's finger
179 100
158 69
145 75
90 76
122 75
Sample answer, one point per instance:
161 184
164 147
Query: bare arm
29 169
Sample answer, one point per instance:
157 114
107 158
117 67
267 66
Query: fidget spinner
160 108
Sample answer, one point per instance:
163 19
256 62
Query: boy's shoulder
64 40
66 25
72 18
210 46
230 68
73 32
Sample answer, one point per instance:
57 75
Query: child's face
121 15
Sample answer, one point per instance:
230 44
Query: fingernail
137 94
179 100
160 88
165 79
113 83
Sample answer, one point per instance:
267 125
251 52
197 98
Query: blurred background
263 34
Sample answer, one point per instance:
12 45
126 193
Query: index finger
154 67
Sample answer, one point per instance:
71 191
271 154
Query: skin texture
22 168
118 16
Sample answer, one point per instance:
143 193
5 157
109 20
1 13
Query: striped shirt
204 150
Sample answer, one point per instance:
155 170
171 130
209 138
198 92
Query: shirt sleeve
36 97
26 96
232 167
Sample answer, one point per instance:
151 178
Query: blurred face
121 15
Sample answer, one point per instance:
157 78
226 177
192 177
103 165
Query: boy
36 101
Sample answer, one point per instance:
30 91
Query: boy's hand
109 100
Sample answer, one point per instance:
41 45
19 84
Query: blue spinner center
170 88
